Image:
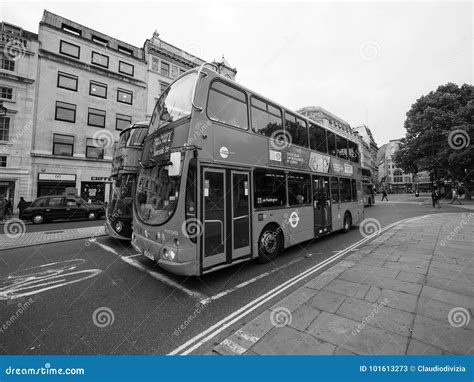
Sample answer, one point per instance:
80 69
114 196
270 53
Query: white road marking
246 336
208 334
250 281
158 276
233 347
164 279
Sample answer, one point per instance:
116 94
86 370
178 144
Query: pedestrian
455 197
8 209
384 195
22 204
435 196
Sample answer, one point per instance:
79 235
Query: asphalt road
79 297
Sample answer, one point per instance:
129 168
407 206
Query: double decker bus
228 175
125 165
368 188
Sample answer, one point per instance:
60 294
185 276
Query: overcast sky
365 62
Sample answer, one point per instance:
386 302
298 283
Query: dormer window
70 29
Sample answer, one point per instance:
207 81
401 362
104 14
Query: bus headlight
119 227
172 254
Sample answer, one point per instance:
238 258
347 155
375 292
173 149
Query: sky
366 62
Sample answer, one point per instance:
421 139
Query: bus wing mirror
175 159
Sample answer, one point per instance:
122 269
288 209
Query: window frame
161 68
246 128
6 118
127 64
68 144
122 119
99 64
61 42
90 111
267 111
65 120
7 88
127 92
70 76
341 138
100 84
284 184
308 196
95 147
335 179
348 185
328 132
3 161
296 122
317 127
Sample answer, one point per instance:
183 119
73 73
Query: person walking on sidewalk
455 197
22 204
384 195
8 209
435 196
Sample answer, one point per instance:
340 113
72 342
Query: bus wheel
347 222
269 244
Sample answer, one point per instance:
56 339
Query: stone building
90 87
369 150
392 178
18 74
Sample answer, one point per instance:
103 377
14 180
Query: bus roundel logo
224 152
294 219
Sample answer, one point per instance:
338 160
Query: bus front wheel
270 244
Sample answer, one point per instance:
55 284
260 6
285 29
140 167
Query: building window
6 63
99 40
94 148
397 176
3 161
155 64
4 128
299 189
174 71
70 29
182 71
6 93
165 68
270 188
317 138
125 96
163 86
266 119
125 50
69 49
100 59
125 68
122 121
65 112
63 145
98 89
11 29
67 81
96 117
297 129
227 105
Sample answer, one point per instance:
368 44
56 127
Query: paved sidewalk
409 291
15 237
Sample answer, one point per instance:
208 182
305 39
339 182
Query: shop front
55 184
95 189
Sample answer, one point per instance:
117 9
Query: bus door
226 216
322 205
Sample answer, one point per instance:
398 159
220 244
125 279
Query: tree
440 135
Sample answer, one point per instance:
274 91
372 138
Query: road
60 225
79 297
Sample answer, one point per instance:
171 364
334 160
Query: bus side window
270 188
299 189
191 187
227 105
345 189
266 119
341 144
335 190
298 130
331 143
353 151
354 190
317 138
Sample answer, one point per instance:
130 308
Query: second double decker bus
228 175
125 165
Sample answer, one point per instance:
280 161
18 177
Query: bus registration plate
148 254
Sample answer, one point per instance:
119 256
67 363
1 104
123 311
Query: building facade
18 74
369 150
392 178
90 87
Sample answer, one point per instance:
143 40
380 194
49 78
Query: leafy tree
440 135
